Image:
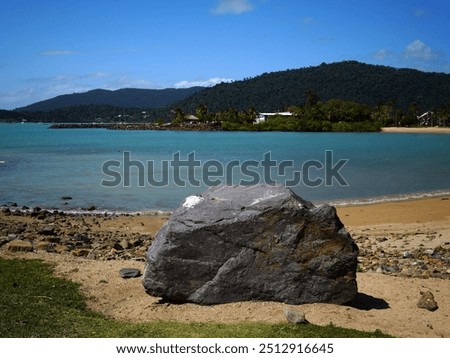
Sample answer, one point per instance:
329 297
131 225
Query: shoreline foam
84 212
338 203
388 198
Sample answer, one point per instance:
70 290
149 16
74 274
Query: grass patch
35 303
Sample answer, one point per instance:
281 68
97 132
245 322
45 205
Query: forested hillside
350 80
349 92
122 98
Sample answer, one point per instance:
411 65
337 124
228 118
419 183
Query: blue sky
48 47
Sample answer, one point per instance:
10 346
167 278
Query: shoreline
338 204
407 211
409 225
404 249
214 127
421 130
387 199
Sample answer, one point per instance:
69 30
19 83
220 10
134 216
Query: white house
191 117
261 117
426 119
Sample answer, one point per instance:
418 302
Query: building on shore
262 117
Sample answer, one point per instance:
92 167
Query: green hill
405 94
349 80
122 98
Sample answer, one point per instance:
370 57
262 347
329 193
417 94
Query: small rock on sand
427 301
129 273
295 316
19 245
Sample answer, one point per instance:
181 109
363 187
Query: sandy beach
428 130
404 250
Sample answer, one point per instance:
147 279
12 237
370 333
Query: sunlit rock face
240 243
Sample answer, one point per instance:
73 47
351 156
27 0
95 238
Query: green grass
35 303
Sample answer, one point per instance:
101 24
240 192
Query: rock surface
20 245
295 316
427 301
129 272
252 243
88 235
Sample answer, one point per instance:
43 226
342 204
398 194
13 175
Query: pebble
47 230
19 246
129 273
124 244
427 301
407 255
295 316
81 252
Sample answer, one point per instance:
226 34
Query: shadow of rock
366 302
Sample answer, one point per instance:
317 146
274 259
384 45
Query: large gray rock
252 243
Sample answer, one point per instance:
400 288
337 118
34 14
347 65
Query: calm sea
114 170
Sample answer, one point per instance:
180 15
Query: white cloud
417 54
126 81
97 74
60 52
382 54
27 95
308 20
57 52
64 88
41 88
419 50
63 84
236 7
207 83
15 98
419 12
66 78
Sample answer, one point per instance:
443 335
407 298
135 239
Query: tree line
334 115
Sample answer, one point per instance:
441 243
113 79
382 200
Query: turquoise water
38 166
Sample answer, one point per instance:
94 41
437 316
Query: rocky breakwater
193 126
252 243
